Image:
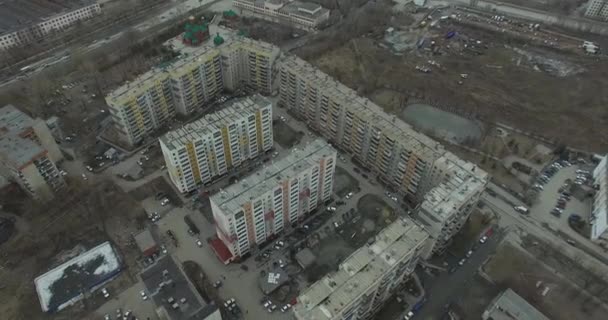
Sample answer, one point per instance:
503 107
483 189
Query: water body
443 124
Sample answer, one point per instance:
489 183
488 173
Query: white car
84 177
89 168
107 317
285 307
483 239
164 202
143 295
331 209
199 243
63 173
408 316
105 293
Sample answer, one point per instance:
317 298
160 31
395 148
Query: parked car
521 209
462 261
199 243
105 293
285 307
143 295
483 239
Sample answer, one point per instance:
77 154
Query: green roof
218 40
230 13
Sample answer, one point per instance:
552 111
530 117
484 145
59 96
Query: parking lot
561 197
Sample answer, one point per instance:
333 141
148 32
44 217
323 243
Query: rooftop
145 240
18 14
13 119
19 151
390 125
165 280
267 178
236 110
307 9
326 298
272 280
59 286
510 306
465 180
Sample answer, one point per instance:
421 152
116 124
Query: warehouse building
24 21
510 306
367 278
210 147
273 199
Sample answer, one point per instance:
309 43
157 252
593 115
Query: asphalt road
447 288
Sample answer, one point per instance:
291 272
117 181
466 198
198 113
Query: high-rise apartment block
269 201
382 142
458 185
209 147
367 278
597 9
28 153
599 209
148 102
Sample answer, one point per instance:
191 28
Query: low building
146 243
174 295
599 213
447 207
267 202
69 282
28 153
272 280
367 278
305 258
510 306
597 9
25 21
299 14
210 147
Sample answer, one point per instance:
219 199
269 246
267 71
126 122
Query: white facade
269 201
211 146
367 278
597 9
599 213
47 25
301 15
458 186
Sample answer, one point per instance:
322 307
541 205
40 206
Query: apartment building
367 278
196 79
142 106
447 206
28 153
25 21
147 103
274 198
299 14
599 208
211 146
382 142
248 62
597 9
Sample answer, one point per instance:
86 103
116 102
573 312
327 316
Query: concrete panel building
599 209
597 9
142 106
367 278
211 146
24 21
28 153
299 14
147 103
269 201
391 148
448 205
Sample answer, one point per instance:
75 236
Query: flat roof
300 8
465 179
18 14
163 280
328 297
145 240
254 185
364 108
272 280
599 215
19 151
62 285
13 119
510 306
235 111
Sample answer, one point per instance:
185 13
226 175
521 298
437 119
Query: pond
443 124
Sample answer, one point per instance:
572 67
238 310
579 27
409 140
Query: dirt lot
85 215
511 267
503 83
